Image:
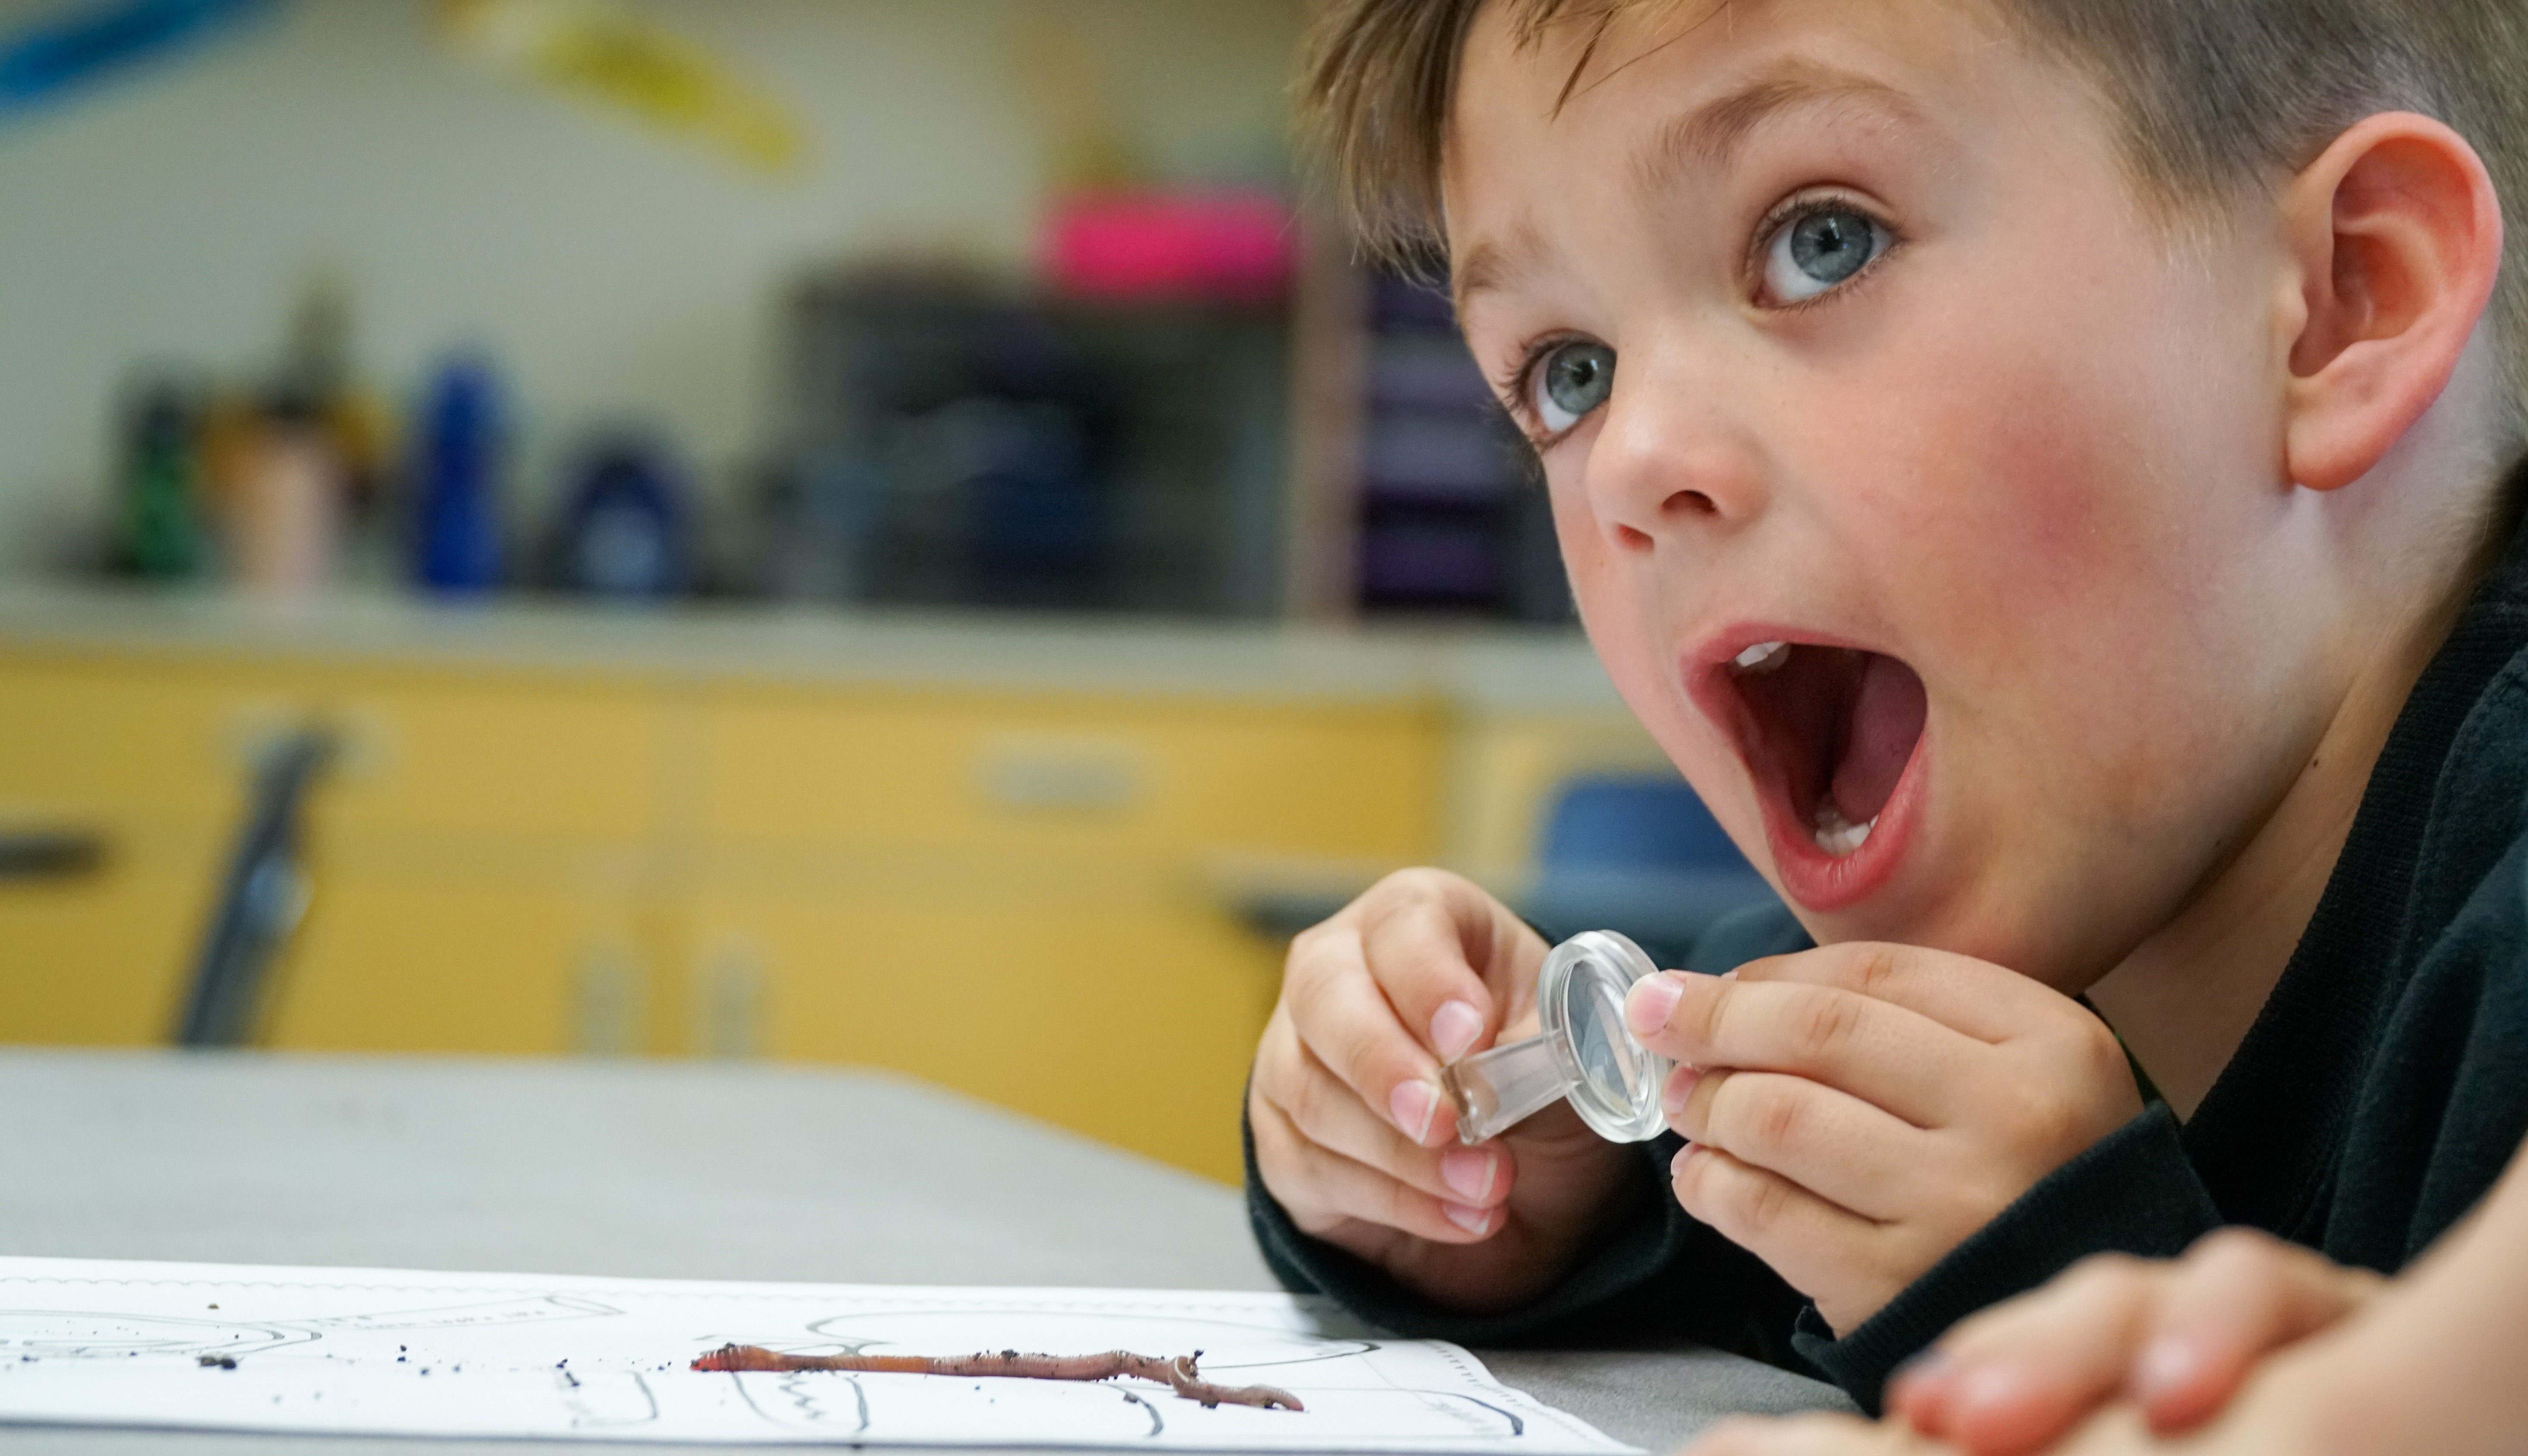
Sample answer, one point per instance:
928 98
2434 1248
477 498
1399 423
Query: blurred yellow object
997 860
602 51
1054 67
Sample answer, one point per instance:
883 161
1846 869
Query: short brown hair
2213 96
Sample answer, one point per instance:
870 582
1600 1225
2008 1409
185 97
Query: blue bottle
456 479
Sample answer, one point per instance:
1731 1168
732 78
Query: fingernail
1680 1086
1653 997
1454 1028
1413 1105
1470 1173
1473 1220
2167 1364
1676 1164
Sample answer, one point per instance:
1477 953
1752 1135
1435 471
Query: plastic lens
1584 1052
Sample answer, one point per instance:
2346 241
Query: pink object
1233 247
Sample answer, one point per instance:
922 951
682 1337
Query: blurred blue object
1639 854
1036 517
456 479
626 527
55 57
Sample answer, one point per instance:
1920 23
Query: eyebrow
1708 138
1711 137
1490 266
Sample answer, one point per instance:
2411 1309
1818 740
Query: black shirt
2377 1097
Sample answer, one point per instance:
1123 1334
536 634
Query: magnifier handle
1497 1089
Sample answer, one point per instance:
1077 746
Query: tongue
1887 712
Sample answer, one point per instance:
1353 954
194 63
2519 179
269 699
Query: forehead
1661 91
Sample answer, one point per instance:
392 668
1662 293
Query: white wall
177 214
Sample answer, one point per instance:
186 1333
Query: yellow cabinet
572 833
447 846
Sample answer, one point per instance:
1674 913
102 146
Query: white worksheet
387 1352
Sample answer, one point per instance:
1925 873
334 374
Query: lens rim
1640 1119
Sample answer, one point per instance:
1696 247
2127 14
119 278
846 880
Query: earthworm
1180 1373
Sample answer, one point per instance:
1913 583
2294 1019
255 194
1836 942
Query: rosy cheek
2016 500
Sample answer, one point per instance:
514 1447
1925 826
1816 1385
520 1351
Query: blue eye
1816 251
1573 380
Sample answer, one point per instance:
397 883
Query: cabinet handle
49 854
1088 777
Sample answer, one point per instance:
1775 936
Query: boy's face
1842 329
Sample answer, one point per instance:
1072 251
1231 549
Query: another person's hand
2281 1423
1354 1137
2425 1363
2310 1398
2174 1338
1856 1112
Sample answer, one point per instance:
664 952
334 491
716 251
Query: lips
1828 733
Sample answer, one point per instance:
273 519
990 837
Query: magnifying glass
1584 1054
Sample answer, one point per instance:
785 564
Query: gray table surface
654 1169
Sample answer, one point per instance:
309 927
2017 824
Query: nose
1670 463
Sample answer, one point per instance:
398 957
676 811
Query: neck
2185 998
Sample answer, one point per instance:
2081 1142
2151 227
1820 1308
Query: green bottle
162 536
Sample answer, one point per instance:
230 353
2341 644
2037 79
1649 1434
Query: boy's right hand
1353 1135
2174 1338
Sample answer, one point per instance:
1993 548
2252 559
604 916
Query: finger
2238 1296
1886 1055
1321 1189
1346 1023
1987 1001
1331 1115
1918 1392
1834 1145
2027 1372
1805 1238
1428 952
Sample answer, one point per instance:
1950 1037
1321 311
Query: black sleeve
2132 1192
1655 1271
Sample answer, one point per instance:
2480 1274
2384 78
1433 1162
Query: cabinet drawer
495 758
1059 777
155 741
419 749
414 943
1130 1019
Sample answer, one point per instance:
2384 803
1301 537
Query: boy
2038 468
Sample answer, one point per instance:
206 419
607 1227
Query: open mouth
1828 732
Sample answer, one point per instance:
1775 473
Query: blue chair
1639 854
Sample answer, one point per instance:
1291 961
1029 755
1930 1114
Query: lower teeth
1838 836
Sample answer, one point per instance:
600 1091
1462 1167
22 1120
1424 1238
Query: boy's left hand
1854 1112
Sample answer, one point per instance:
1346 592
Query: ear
2396 233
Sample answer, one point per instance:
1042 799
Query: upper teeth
1763 657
